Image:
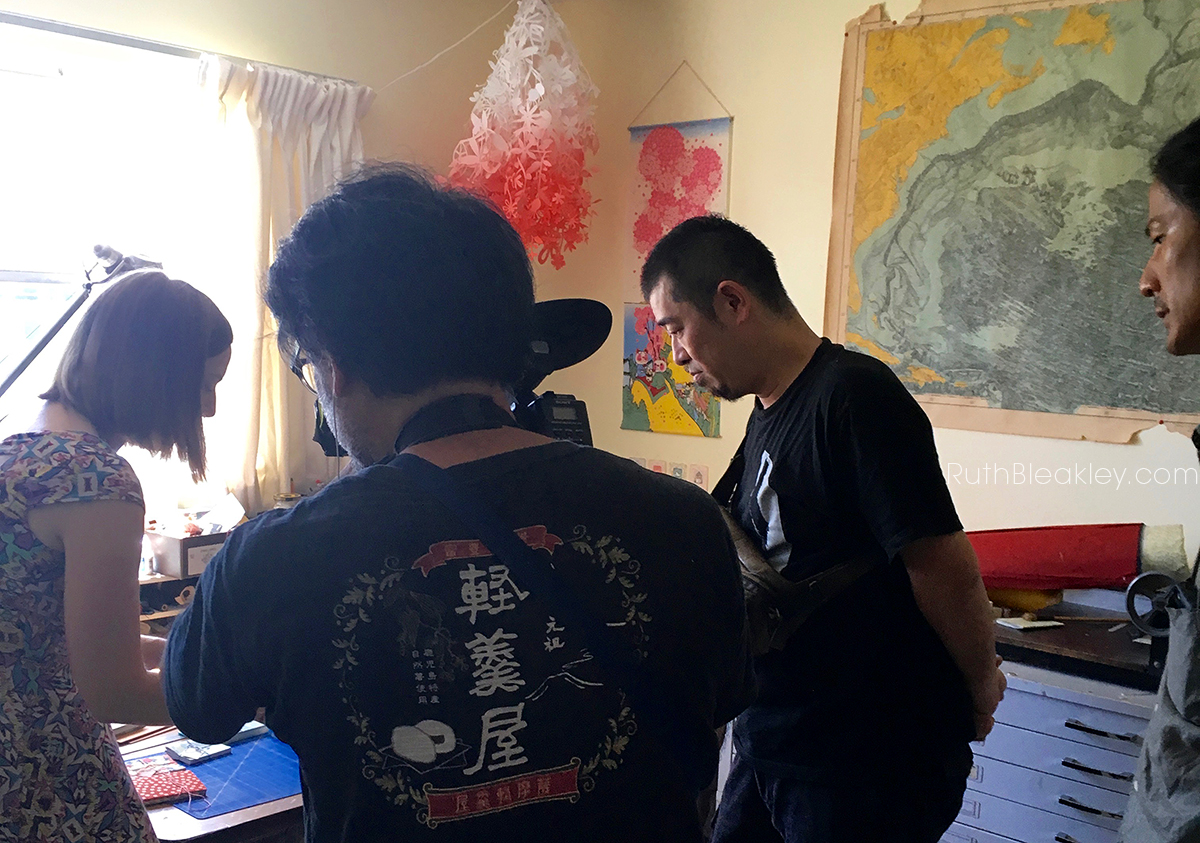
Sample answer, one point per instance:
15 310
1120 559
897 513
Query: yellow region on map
1084 28
872 348
922 375
666 415
916 77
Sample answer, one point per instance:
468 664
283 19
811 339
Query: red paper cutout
531 129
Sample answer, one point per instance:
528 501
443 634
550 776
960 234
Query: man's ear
732 302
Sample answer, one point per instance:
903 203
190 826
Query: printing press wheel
1156 587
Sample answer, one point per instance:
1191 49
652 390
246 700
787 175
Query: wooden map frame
1103 424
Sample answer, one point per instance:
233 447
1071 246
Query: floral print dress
61 772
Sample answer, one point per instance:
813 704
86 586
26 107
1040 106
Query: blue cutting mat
259 770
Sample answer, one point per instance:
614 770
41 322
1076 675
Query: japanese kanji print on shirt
474 724
431 691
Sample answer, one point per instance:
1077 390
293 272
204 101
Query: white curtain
305 133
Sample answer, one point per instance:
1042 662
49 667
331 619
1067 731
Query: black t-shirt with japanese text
843 465
432 693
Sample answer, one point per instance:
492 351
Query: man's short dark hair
700 253
135 365
1177 166
405 283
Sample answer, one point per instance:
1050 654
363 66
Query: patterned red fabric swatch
160 781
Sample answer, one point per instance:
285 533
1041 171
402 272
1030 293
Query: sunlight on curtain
113 145
306 135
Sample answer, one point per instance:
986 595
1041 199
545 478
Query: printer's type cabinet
1058 767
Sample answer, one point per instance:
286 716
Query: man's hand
987 696
949 591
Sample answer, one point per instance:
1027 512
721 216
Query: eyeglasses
300 365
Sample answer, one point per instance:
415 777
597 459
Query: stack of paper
160 781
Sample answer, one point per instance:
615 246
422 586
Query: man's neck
792 345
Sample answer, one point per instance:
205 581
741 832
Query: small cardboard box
183 556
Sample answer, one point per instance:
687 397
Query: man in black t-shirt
861 728
433 685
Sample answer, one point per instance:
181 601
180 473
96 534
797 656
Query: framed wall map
989 207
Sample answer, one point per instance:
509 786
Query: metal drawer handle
1072 764
1080 726
1088 809
1064 838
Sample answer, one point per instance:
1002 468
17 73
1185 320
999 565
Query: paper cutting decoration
531 130
682 172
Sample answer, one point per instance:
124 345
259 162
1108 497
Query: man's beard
721 390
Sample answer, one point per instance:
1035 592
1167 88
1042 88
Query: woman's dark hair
405 282
1177 166
701 252
135 365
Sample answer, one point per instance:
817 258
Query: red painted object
1072 556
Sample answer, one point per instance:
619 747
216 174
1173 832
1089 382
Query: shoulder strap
795 600
803 598
617 658
725 487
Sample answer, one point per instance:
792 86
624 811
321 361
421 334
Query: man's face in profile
699 344
1172 274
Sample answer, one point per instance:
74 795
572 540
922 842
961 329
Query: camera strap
450 415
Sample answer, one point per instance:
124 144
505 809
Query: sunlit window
114 145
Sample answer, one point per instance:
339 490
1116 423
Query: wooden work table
1104 650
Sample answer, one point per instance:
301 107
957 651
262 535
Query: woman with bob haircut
141 369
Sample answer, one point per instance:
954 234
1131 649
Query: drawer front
1081 723
1026 824
1057 756
959 833
1049 793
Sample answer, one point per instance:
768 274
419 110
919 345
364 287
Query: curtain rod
117 38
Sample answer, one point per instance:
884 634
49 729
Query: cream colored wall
774 63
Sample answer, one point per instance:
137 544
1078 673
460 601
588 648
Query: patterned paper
682 172
657 394
159 780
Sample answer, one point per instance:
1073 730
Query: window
106 144
31 303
